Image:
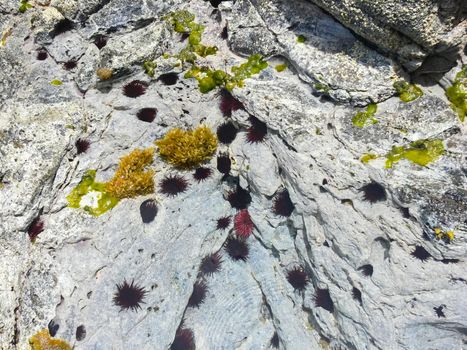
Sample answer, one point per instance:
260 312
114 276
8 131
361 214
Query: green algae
281 67
421 152
322 87
301 39
150 68
24 5
407 92
457 94
56 82
208 79
365 118
88 184
367 157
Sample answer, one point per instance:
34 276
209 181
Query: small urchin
226 133
148 211
147 114
283 205
135 88
257 130
211 264
129 296
202 174
184 340
224 164
298 278
237 248
243 224
82 146
373 192
223 223
172 185
229 103
198 295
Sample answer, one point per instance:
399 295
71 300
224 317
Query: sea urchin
135 88
257 131
237 249
298 278
224 164
229 103
184 340
226 133
202 173
172 185
129 296
100 41
282 204
373 192
211 264
147 114
36 227
198 295
239 199
169 78
82 146
243 224
148 211
223 223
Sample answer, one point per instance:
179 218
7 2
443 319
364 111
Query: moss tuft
188 149
131 178
43 341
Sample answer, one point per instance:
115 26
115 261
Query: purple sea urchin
147 114
168 78
366 270
41 55
226 133
100 41
323 299
172 185
373 192
223 223
237 248
282 204
82 146
184 340
148 211
129 296
135 88
202 173
198 295
421 253
69 65
257 131
298 278
35 228
211 264
243 224
239 199
229 103
224 164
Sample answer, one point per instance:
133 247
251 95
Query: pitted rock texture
363 254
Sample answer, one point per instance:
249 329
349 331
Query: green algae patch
367 157
208 79
457 94
365 118
407 92
24 5
301 39
421 152
87 185
322 87
56 82
150 68
281 67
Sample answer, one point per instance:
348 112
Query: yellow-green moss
132 178
421 152
281 67
365 118
43 341
367 157
149 68
88 184
187 149
56 82
322 87
457 94
407 92
301 39
24 5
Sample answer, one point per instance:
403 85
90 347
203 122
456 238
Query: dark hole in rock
80 333
148 211
168 78
42 55
63 26
53 328
366 270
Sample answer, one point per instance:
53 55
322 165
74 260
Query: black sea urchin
282 204
129 296
237 249
226 133
229 103
69 65
373 192
211 264
257 131
198 295
298 278
172 185
323 299
147 114
224 164
135 88
82 146
100 41
223 223
35 228
202 173
184 340
168 78
366 270
148 211
239 199
420 253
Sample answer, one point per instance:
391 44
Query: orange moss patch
43 341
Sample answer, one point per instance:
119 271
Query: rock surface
364 254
